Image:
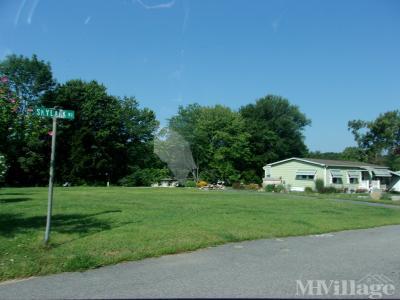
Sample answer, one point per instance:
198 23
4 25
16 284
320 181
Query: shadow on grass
2 193
13 200
83 224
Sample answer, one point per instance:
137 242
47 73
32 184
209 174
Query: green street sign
51 113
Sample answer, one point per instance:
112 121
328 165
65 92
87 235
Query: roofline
295 158
325 165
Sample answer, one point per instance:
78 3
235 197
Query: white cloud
87 20
32 11
20 8
185 20
156 6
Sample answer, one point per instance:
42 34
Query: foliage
144 177
3 167
109 138
349 153
190 183
279 188
250 176
238 185
380 138
329 190
252 186
270 188
24 138
276 130
324 155
218 140
308 190
29 78
201 183
319 185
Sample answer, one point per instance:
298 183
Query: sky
336 60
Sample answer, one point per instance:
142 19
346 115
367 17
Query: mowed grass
100 226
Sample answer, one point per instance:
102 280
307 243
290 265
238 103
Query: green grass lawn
99 226
356 197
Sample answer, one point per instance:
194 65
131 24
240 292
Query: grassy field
99 226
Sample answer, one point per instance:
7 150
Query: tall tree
92 147
138 129
30 78
109 138
380 138
185 123
276 130
23 136
217 137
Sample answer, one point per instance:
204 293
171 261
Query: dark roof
344 163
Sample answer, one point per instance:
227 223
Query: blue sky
336 60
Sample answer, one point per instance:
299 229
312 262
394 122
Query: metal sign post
51 180
55 114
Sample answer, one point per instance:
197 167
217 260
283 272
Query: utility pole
51 180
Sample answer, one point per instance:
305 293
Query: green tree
109 138
90 148
23 139
349 153
217 137
29 78
353 154
324 155
139 126
185 123
276 131
380 138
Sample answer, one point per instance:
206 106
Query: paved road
262 268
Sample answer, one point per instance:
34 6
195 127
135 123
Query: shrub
250 177
238 186
308 190
144 177
361 191
329 190
201 183
319 186
279 188
190 183
252 186
270 188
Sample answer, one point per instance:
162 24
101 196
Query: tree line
111 138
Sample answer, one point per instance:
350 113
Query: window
305 174
336 176
337 180
353 180
304 177
353 176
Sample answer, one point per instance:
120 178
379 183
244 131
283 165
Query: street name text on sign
51 113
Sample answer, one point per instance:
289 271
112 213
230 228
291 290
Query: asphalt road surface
262 268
